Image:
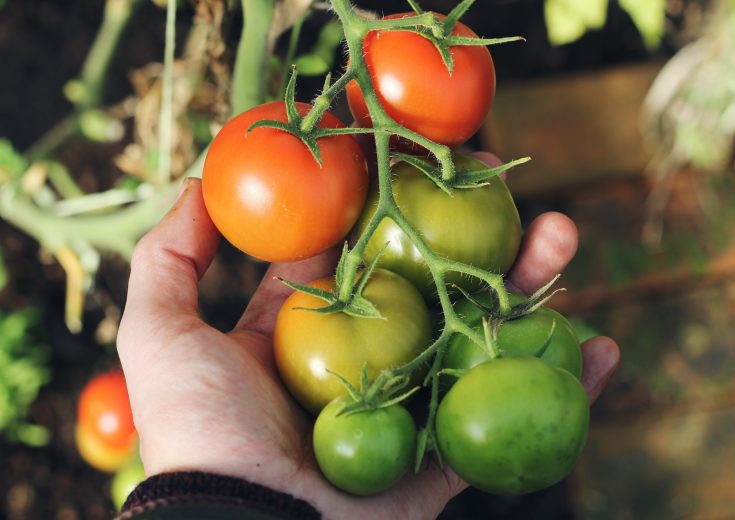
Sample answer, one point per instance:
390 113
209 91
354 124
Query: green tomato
479 226
367 452
522 336
126 479
513 425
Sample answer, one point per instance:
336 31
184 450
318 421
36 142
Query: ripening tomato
367 452
104 411
99 455
513 425
522 336
416 89
308 344
478 226
269 197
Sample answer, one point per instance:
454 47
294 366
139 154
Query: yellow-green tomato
522 336
478 226
125 481
366 452
307 345
513 425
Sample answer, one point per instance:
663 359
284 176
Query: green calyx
372 397
305 127
439 32
461 178
347 295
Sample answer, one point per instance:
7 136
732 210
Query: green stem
94 71
52 140
293 41
249 78
91 82
54 232
322 103
165 122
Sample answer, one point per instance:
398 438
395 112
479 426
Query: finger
549 244
488 158
168 262
260 314
600 358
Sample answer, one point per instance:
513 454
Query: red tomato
267 195
104 412
415 88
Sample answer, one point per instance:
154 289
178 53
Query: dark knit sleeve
194 495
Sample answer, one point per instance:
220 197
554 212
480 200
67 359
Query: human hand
209 401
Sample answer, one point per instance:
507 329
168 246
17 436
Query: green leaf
649 17
23 371
568 20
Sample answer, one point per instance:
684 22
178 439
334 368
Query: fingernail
184 186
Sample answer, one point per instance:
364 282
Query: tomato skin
522 336
513 425
367 452
125 480
99 455
306 344
416 90
268 196
478 226
104 412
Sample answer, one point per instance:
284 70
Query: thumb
166 267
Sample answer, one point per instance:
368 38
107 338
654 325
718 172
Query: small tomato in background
105 433
126 479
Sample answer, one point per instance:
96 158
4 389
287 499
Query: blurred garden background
626 107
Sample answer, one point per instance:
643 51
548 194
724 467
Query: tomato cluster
105 434
516 419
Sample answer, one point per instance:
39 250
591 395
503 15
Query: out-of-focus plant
23 371
689 112
569 20
176 108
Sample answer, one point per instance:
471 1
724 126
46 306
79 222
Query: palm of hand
209 401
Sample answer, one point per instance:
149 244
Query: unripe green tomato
367 452
478 226
522 336
513 425
125 481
